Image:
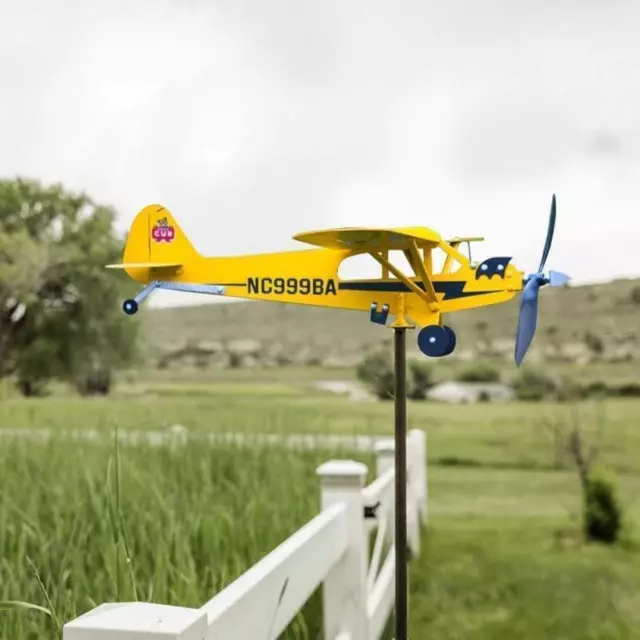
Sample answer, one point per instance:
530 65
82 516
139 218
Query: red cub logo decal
163 231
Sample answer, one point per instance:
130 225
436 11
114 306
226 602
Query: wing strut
421 272
428 295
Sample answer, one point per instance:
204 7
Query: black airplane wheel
452 340
434 340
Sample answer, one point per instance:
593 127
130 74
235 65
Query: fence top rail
317 546
374 492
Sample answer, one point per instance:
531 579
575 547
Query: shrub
235 360
594 343
626 390
376 372
634 296
603 512
94 383
32 388
479 372
596 388
420 379
569 389
533 385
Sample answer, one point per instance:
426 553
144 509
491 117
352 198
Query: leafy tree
59 308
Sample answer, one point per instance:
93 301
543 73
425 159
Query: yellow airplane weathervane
159 255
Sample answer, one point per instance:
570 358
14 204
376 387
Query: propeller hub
540 277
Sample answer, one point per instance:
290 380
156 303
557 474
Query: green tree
60 314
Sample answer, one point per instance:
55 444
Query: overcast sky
252 120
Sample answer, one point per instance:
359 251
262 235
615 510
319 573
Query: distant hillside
576 324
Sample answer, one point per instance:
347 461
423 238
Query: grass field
502 557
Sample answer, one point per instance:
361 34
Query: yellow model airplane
159 255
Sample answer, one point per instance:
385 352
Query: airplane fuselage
310 277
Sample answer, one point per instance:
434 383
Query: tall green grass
85 524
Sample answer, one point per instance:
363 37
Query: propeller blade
527 319
557 278
550 230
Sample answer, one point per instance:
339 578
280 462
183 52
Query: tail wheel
130 307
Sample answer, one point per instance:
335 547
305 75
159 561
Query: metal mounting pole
400 400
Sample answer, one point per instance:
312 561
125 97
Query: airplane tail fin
155 241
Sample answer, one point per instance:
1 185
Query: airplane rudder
166 238
137 246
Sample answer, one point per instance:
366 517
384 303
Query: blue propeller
528 317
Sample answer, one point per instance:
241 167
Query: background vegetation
58 305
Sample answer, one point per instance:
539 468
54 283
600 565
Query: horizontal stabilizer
145 265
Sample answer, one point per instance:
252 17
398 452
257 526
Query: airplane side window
399 260
361 266
438 257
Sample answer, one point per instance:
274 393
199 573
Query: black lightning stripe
452 290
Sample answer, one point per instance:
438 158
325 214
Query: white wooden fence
332 550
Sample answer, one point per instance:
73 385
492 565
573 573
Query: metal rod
400 400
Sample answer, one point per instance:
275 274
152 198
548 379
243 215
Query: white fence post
345 589
384 461
126 620
419 439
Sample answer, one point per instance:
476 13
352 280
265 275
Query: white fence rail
331 550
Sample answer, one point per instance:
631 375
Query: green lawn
501 556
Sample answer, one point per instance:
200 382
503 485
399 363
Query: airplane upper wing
370 239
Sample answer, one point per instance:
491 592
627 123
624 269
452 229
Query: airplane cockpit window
364 266
440 259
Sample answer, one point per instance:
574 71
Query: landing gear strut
436 341
130 307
